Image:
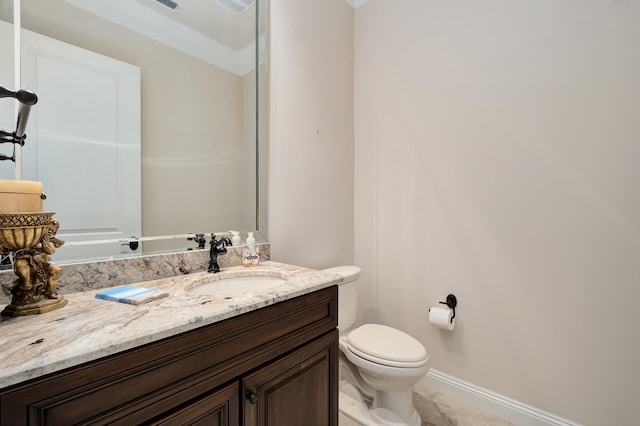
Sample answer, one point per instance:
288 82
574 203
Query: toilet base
359 409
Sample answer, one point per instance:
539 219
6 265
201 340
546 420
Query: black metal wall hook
451 302
27 99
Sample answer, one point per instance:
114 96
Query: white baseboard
490 402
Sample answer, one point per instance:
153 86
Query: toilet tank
347 294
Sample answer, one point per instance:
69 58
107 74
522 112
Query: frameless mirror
148 118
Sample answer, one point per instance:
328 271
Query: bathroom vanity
266 358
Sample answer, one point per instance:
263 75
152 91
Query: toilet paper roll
441 318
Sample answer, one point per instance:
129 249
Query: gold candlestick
31 239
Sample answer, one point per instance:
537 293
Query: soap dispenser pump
250 254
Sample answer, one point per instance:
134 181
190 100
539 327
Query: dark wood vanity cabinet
294 388
275 366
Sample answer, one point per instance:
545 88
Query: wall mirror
150 118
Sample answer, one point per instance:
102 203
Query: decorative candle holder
31 239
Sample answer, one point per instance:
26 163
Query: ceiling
201 28
207 17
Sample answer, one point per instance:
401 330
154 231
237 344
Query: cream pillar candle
20 196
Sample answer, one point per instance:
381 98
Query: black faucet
200 239
217 247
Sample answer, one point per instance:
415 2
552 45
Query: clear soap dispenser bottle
250 254
235 238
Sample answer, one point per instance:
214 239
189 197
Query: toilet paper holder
451 302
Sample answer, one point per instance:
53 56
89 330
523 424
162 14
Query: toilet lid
387 346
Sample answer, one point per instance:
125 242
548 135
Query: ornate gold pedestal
31 239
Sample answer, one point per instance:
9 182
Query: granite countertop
89 328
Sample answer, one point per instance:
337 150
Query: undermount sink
234 285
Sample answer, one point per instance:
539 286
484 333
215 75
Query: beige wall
196 163
497 157
311 132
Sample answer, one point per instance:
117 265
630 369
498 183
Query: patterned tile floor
436 409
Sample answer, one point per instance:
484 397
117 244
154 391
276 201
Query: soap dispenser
251 254
235 238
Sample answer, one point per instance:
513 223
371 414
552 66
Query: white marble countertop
89 328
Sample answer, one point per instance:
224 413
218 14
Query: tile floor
436 409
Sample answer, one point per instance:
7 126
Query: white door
83 142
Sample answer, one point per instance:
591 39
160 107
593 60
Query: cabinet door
86 123
219 408
298 389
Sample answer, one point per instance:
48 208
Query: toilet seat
386 346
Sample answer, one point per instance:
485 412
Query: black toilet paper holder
451 303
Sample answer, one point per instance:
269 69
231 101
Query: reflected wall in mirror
147 119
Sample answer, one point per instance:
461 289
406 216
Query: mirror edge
262 115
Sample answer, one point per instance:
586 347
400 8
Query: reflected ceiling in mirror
197 123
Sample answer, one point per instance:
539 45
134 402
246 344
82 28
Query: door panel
298 389
83 141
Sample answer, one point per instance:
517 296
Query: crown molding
158 27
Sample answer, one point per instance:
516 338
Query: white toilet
378 364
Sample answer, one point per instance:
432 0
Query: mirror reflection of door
83 141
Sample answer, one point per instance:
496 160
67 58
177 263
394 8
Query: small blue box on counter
131 294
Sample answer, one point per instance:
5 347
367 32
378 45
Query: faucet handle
223 240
